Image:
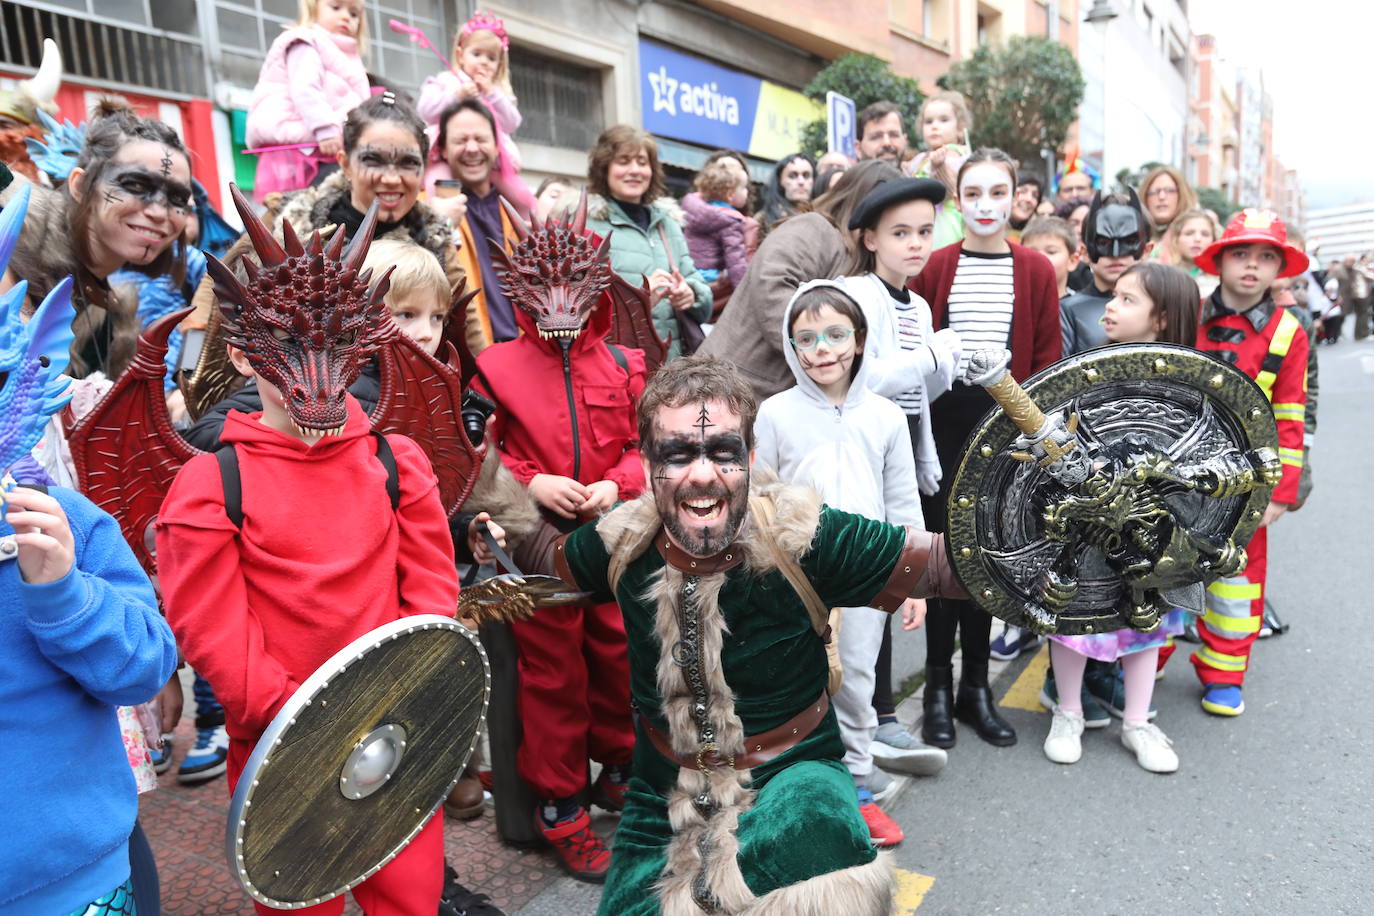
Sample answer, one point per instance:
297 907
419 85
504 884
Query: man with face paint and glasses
737 748
1116 236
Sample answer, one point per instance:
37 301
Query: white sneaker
920 760
881 785
1064 744
1153 749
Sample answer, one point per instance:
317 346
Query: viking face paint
985 198
142 202
698 468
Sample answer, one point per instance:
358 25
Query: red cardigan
1036 340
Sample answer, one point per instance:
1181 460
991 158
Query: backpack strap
228 459
393 476
618 355
762 508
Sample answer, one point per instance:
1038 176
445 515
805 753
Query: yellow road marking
911 890
1024 693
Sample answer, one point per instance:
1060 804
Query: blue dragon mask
33 356
60 147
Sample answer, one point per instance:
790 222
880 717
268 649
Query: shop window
560 102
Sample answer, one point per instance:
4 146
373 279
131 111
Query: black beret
889 194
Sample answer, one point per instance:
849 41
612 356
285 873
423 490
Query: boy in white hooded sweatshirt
832 433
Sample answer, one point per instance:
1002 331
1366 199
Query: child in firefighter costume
1241 325
739 803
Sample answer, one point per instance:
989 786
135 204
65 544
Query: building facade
1334 233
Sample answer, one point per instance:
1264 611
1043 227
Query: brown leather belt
758 749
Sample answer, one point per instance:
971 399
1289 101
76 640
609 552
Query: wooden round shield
357 761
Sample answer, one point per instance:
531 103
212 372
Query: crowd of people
841 302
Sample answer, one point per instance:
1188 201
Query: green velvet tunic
805 819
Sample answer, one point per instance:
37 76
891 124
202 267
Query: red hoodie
322 559
568 414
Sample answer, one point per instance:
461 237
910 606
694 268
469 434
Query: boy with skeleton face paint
725 668
1116 236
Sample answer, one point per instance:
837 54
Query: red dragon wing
126 451
422 398
632 322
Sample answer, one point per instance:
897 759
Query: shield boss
357 761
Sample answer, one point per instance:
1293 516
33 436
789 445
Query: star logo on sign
665 91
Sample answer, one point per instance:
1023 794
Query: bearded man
737 755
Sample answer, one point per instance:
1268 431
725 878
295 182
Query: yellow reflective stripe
1290 412
1291 456
1248 592
1283 337
1217 621
1278 346
1220 660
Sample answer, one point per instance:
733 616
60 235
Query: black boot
974 706
937 726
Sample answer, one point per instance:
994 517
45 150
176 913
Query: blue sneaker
162 759
1013 641
208 758
1223 700
1094 716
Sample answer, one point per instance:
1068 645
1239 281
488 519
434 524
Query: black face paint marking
166 162
147 249
150 187
405 161
111 197
703 421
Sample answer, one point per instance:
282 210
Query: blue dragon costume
33 355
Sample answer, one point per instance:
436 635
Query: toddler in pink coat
312 77
481 70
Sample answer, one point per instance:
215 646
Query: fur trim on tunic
860 890
703 853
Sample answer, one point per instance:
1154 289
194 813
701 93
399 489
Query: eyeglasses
1162 192
834 336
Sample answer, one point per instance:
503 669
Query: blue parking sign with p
840 120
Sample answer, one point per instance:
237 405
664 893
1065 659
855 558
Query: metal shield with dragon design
1111 488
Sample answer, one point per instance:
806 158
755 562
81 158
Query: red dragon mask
306 320
554 273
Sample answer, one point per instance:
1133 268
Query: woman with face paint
789 191
124 205
995 293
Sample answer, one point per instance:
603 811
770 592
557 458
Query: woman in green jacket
629 203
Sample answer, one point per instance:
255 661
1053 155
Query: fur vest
273 119
308 210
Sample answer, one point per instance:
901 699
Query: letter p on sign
840 118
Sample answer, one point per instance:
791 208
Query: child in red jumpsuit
259 607
1241 325
565 425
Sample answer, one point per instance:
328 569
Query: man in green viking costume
739 803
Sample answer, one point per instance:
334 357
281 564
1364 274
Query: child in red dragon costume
565 426
323 554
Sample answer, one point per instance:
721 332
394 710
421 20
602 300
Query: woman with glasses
1166 194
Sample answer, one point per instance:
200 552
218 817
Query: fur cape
702 854
308 210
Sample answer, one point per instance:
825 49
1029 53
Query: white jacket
857 455
893 370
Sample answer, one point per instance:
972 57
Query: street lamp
1101 13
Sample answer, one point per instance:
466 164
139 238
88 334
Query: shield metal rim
286 717
1057 384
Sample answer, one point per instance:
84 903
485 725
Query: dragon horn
522 231
290 241
44 84
356 252
268 251
579 222
227 286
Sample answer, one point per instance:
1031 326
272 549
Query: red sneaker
882 830
581 852
607 793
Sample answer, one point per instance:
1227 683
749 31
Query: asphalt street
1269 813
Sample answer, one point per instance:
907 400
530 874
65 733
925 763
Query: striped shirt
910 336
980 303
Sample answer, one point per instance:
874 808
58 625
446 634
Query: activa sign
704 101
688 98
